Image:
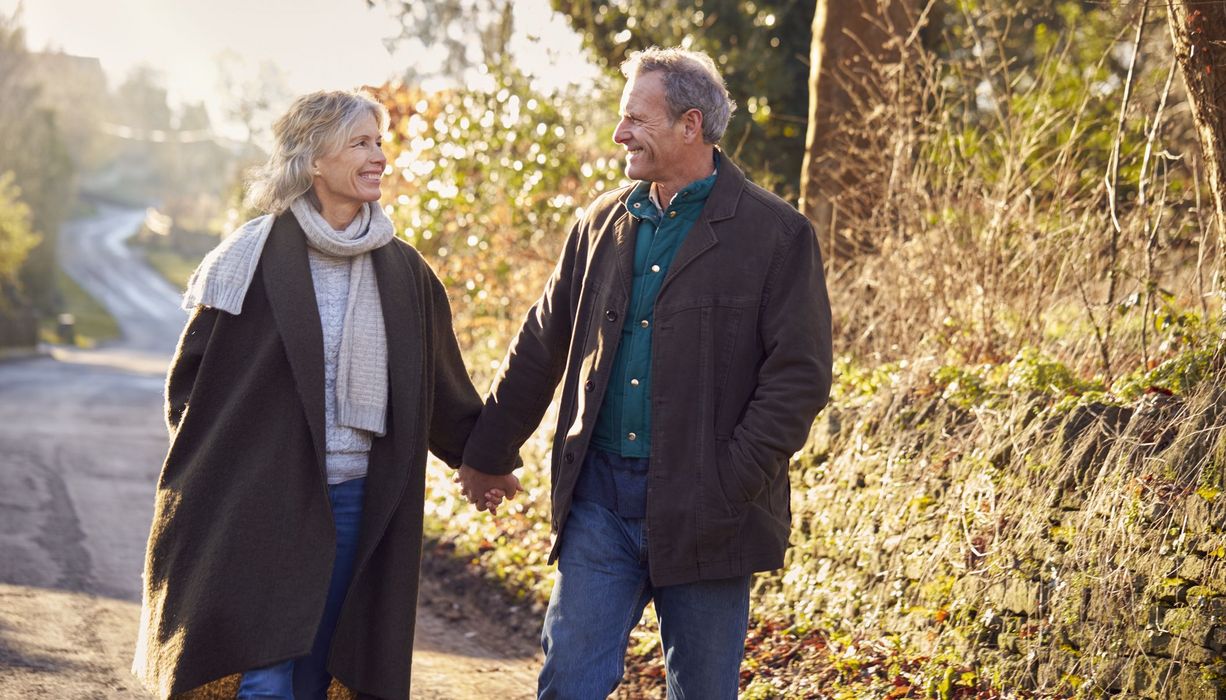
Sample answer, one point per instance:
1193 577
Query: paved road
81 442
94 254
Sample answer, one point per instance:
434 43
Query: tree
1198 30
33 150
144 120
256 94
18 327
75 88
16 236
472 34
759 45
849 40
485 184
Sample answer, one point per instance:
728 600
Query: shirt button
672 215
655 268
632 437
589 385
644 323
634 382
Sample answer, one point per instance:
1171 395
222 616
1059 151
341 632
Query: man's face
647 131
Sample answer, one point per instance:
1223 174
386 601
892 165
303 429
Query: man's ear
692 125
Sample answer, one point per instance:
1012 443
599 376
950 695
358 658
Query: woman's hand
486 491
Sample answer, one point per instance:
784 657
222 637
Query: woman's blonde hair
316 125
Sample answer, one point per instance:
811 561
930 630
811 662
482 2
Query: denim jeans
598 597
306 677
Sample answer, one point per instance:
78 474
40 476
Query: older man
688 321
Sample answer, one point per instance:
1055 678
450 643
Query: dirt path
81 443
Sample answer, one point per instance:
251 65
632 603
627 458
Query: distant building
75 89
68 79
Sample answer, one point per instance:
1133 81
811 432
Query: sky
317 44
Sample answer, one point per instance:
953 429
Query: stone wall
1071 552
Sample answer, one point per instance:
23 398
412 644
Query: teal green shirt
624 423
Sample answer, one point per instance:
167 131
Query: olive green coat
240 553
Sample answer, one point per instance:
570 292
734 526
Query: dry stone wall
1060 553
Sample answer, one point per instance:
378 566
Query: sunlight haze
316 44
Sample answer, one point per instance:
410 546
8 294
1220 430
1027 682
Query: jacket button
570 457
589 385
610 314
632 437
634 382
644 323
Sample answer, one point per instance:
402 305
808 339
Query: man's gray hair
691 81
315 126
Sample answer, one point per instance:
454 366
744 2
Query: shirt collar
643 202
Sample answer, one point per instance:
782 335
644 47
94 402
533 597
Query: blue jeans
307 677
598 596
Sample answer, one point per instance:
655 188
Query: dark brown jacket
241 548
741 365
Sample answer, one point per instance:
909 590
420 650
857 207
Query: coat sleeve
456 402
795 375
530 372
181 377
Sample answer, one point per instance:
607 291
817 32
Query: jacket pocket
740 483
721 513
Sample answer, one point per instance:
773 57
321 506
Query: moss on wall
1057 548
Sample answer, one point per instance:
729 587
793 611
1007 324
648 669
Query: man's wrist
489 464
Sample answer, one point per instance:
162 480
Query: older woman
317 367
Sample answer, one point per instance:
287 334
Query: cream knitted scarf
223 277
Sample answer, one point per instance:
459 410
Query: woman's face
351 176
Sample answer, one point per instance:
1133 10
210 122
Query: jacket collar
406 336
388 477
726 192
625 232
287 280
721 205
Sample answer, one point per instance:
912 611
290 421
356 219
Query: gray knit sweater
348 449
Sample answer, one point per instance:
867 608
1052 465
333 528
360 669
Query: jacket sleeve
530 372
795 375
456 402
181 377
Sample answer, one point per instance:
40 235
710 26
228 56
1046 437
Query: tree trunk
1198 30
849 36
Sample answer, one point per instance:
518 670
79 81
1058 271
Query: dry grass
1001 200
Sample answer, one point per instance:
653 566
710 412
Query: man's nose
620 134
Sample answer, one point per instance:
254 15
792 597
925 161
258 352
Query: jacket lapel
624 234
394 460
402 318
291 294
721 205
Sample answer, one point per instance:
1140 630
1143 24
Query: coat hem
712 570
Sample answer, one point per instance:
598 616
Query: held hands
486 491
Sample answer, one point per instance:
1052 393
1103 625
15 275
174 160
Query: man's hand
486 491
